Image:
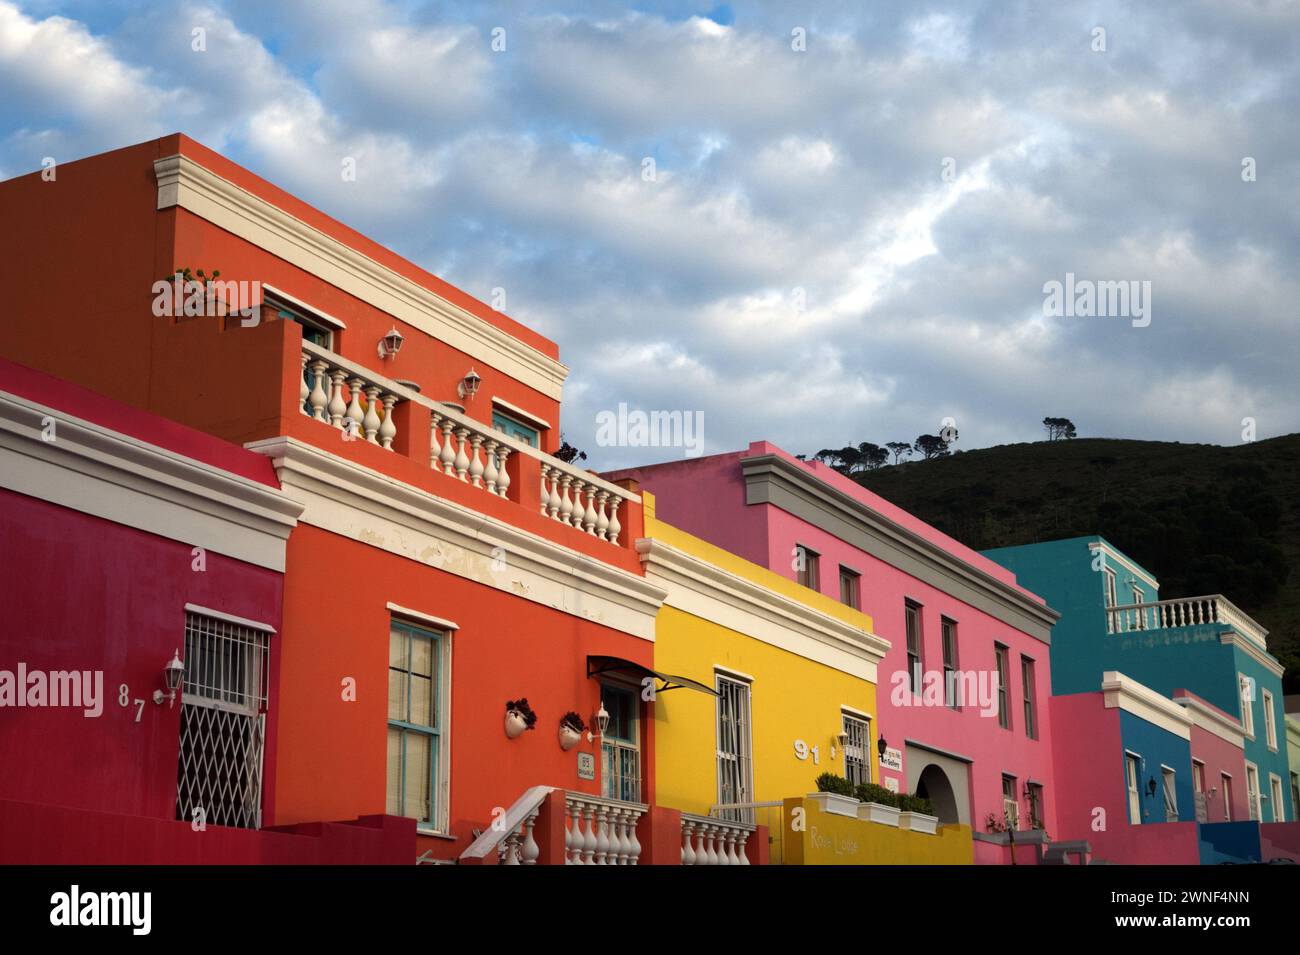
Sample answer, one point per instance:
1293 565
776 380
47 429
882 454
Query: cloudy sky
852 213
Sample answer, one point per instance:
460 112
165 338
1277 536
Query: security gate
223 723
735 749
857 764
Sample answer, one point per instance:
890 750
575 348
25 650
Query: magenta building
963 690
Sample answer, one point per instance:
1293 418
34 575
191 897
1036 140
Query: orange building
446 563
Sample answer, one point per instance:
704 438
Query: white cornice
95 470
360 503
1111 554
715 594
185 183
1145 703
1213 721
1262 657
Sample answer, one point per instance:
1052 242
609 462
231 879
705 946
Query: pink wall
1219 756
706 497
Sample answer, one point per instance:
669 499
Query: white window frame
1111 588
1133 786
1279 799
1199 797
618 746
1225 784
915 655
811 574
1169 790
1253 801
1011 804
734 764
848 717
1270 725
1247 706
951 668
1002 661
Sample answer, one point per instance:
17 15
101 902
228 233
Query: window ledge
434 833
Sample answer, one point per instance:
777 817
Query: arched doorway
933 785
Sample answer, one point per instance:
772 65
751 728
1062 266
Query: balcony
1184 612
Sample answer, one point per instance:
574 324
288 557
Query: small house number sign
586 766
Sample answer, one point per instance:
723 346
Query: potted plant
519 717
571 730
917 814
835 795
878 804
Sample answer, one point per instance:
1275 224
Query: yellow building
795 672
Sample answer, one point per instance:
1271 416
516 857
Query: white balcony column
688 837
503 476
490 466
614 525
602 836
475 460
304 390
634 844
589 515
545 494
590 840
447 457
337 407
317 398
566 505
462 459
388 430
435 449
529 849
355 418
602 515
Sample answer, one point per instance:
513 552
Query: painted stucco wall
1158 748
830 839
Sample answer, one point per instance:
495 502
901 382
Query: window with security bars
857 752
223 723
620 746
735 748
414 726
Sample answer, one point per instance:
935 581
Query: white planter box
836 804
875 812
918 822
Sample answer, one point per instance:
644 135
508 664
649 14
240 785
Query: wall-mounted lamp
601 721
881 746
842 738
1151 786
173 673
390 344
468 386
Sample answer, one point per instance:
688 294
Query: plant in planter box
571 730
835 795
519 717
878 804
917 814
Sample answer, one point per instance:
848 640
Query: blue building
1112 619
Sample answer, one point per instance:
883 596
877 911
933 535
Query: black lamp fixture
881 746
1151 786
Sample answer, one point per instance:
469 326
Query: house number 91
802 749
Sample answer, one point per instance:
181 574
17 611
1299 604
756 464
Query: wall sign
586 766
892 760
890 783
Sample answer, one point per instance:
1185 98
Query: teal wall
1191 658
1158 746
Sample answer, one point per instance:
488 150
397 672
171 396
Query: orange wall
332 754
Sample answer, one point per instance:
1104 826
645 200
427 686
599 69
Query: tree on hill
1058 428
899 449
931 446
872 456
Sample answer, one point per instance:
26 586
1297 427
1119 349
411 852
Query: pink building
1218 760
964 688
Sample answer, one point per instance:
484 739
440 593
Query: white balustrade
710 841
1183 612
600 831
336 392
519 847
581 500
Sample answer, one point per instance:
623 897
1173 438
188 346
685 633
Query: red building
443 564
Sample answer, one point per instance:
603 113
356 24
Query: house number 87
802 749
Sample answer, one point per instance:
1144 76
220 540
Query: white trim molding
98 471
230 618
1111 554
362 504
704 590
525 417
186 183
417 616
1125 693
1252 649
1212 720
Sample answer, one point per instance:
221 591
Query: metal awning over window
617 666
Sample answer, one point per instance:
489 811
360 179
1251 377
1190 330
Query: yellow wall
792 697
828 839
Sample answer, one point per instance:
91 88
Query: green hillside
1202 518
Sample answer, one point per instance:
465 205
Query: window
735 748
415 694
915 660
1004 672
1170 782
1132 772
1275 793
951 686
1139 622
857 749
620 747
516 429
1270 723
1252 793
1010 806
1112 599
1036 806
1198 790
1225 787
808 567
1027 681
849 588
313 329
1247 704
223 722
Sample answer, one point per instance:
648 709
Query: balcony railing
361 403
710 841
1185 612
601 831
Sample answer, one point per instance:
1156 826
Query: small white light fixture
601 721
391 343
468 386
173 673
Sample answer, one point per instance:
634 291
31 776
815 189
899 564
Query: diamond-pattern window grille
223 721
